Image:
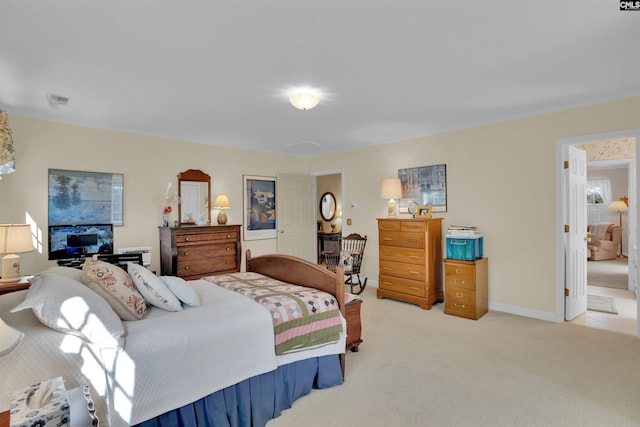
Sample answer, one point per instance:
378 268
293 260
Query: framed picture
424 211
426 185
259 207
77 197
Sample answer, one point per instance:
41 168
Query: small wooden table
13 287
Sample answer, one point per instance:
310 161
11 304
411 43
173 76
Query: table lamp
14 239
391 189
222 203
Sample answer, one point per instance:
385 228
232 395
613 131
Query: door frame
560 261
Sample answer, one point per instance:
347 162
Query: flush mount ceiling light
304 100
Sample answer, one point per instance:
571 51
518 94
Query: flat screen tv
80 241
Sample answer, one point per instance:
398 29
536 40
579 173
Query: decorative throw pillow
182 289
114 285
346 261
154 291
66 305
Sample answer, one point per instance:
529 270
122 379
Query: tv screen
79 241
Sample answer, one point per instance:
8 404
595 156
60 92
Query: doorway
328 182
631 233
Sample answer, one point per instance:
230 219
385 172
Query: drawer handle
388 239
460 305
387 268
228 236
186 267
459 294
228 262
459 271
414 256
459 282
414 272
228 249
388 283
186 253
186 239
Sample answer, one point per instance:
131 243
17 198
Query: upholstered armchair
604 241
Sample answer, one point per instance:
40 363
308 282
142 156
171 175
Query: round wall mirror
328 206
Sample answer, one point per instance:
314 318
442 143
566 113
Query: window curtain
598 199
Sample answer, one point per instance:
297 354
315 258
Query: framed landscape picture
77 197
259 207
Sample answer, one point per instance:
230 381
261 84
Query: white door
575 201
296 226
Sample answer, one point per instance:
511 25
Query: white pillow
74 273
154 291
182 289
68 306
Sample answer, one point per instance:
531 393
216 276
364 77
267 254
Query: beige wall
500 178
491 172
148 165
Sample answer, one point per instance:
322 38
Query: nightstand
466 288
13 287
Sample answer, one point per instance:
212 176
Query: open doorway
328 187
626 320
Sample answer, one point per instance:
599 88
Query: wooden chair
349 253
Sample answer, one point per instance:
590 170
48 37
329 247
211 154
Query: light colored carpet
612 273
601 303
425 368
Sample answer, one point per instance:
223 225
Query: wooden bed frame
301 272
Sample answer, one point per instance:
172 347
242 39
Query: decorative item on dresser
411 260
466 288
194 252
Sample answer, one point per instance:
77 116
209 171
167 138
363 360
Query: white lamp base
10 269
392 208
222 217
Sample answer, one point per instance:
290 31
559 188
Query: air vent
57 100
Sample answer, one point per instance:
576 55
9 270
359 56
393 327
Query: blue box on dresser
464 248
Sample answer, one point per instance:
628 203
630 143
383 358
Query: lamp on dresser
391 189
222 203
14 239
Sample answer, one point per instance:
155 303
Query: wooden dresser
194 252
466 288
411 260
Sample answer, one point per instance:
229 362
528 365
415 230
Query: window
598 191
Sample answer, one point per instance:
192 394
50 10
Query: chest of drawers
410 265
466 288
194 252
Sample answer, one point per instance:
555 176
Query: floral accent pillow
114 285
154 291
346 260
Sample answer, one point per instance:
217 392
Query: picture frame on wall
260 220
425 185
79 197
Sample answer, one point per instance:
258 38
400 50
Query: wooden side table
354 327
13 287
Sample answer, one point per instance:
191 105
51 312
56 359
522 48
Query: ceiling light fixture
304 100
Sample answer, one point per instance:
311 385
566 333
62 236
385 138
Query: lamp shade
222 202
304 100
7 155
391 188
15 238
618 206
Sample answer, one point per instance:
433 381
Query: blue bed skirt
256 400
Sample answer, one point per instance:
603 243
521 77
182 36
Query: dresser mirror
194 193
328 206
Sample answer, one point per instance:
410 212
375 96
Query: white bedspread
170 359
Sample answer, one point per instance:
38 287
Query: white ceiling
218 72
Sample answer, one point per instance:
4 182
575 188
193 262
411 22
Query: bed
215 364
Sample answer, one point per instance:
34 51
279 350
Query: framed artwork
426 186
259 207
77 197
424 211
